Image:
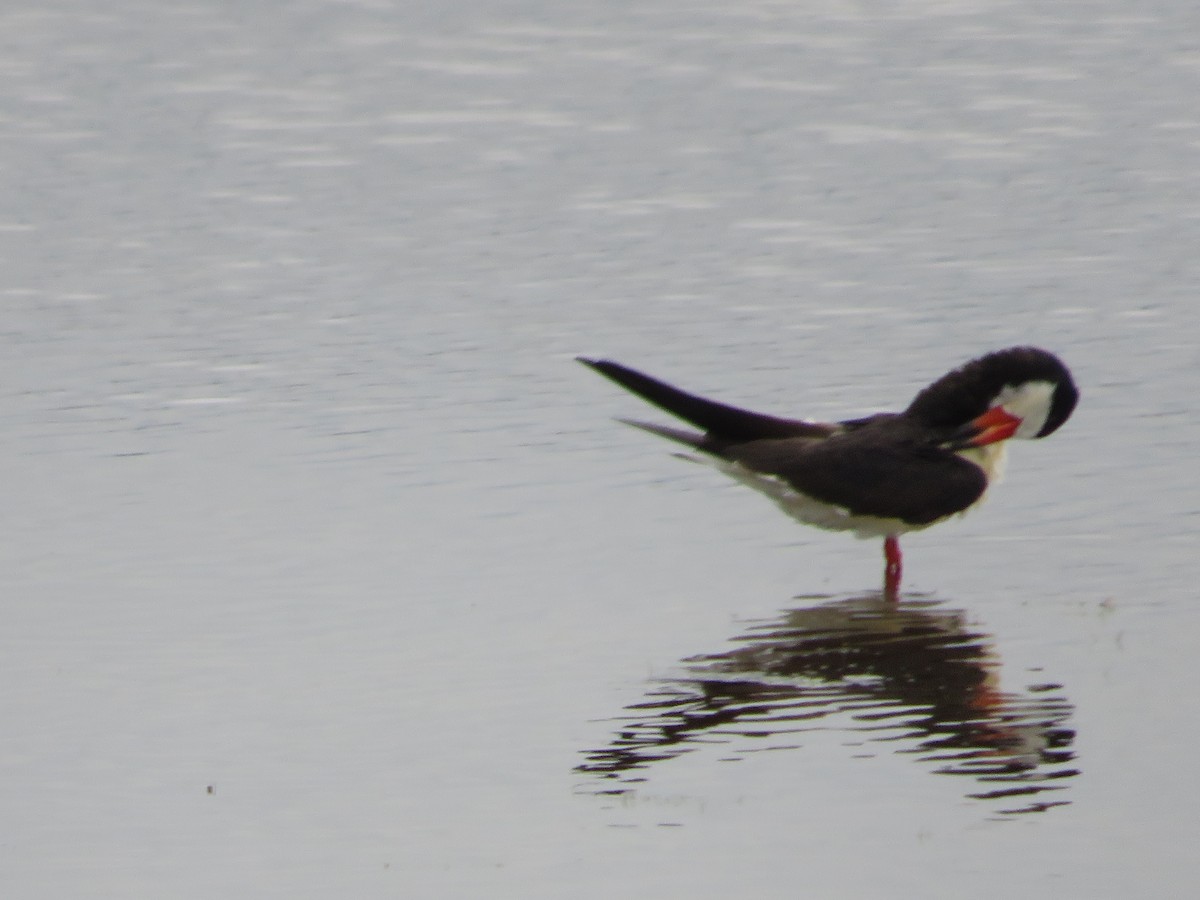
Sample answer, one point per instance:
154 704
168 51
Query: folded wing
916 484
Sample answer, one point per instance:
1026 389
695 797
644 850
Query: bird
882 475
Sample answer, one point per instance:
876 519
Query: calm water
327 573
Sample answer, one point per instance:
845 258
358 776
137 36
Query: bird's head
1021 392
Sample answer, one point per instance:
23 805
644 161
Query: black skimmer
886 474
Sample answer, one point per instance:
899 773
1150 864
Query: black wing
914 483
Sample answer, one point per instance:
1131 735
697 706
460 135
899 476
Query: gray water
326 572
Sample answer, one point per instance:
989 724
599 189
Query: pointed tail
721 422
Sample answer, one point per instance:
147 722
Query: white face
1029 402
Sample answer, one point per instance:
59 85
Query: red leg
891 572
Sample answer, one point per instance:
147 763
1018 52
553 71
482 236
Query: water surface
327 573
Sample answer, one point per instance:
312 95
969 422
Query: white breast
993 459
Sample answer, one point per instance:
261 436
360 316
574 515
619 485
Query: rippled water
915 678
327 573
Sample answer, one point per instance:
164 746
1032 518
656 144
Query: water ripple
914 677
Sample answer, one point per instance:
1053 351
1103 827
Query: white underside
805 509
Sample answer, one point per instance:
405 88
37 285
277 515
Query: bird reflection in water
913 674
